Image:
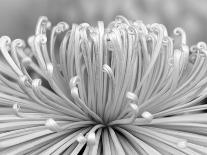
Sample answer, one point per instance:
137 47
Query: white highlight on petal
74 92
30 41
24 81
16 108
134 108
108 70
131 96
49 25
81 138
50 68
147 115
135 111
36 82
91 138
52 125
182 144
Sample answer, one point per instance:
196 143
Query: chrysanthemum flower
125 89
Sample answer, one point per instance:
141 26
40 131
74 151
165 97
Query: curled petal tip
36 82
41 38
180 32
202 45
134 107
18 43
5 41
61 27
74 81
132 96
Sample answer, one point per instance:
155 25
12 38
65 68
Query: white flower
125 89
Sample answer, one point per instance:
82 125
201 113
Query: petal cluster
124 89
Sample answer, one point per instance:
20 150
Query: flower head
128 88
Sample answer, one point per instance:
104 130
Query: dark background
18 17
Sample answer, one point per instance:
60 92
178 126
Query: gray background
18 17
